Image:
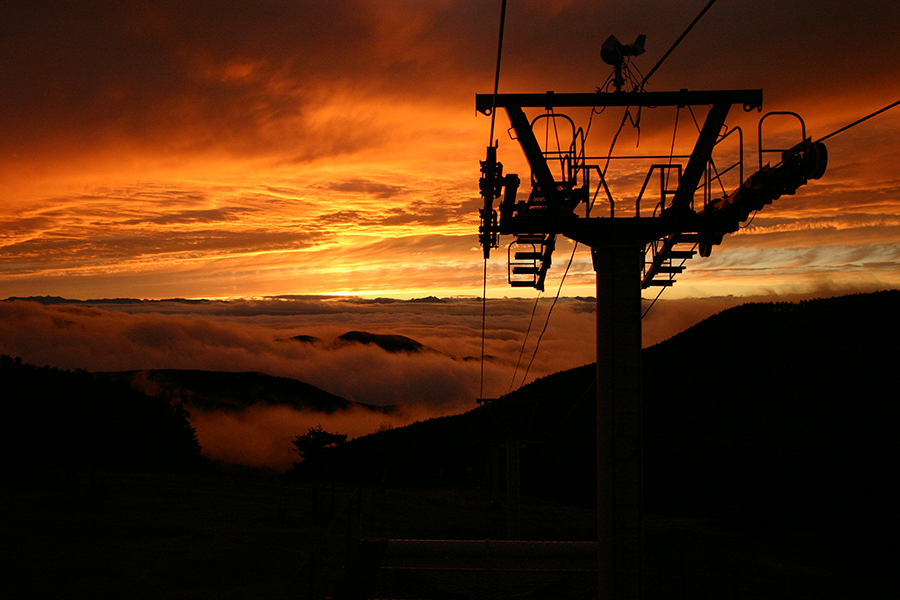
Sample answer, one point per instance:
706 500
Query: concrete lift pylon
629 253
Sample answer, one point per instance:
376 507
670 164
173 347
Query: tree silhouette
312 447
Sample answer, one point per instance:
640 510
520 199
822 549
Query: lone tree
312 445
311 448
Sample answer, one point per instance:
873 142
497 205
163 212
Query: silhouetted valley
762 413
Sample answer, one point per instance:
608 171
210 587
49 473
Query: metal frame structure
630 252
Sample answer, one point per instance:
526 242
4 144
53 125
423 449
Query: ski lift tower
642 245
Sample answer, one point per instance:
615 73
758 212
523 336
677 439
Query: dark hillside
762 412
786 408
54 419
395 344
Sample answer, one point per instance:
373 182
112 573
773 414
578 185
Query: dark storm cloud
187 76
131 63
190 75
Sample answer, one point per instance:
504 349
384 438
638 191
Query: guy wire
855 123
549 312
497 74
524 342
678 41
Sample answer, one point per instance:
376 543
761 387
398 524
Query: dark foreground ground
247 535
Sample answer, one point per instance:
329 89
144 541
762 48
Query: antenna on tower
613 52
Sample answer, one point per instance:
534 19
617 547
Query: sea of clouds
254 335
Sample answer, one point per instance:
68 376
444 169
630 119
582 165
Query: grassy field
248 535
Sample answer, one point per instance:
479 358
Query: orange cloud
191 150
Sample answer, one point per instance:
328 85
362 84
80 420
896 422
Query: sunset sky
301 163
246 149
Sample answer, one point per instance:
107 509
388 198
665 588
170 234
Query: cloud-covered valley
443 377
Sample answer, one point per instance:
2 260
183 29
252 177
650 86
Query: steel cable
491 143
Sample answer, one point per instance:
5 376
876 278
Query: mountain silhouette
390 343
766 412
395 344
223 391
